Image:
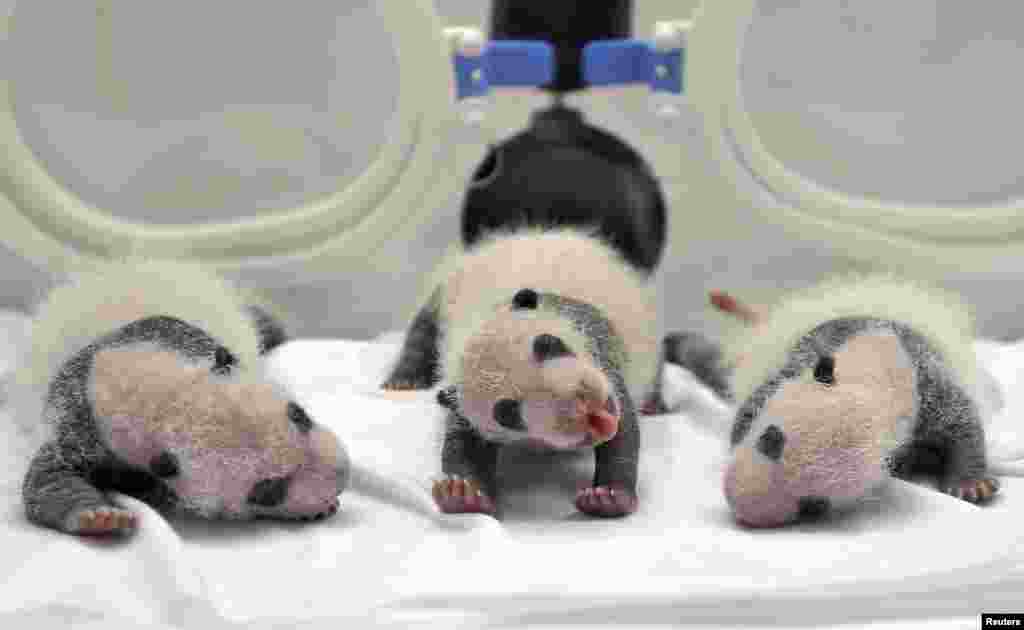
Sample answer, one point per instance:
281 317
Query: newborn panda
844 384
540 336
148 377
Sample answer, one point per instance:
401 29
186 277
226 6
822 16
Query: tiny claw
458 495
103 520
606 501
974 490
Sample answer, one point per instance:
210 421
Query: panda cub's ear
223 360
525 299
824 370
448 398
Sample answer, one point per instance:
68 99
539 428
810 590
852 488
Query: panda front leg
417 363
965 470
699 355
615 471
951 443
469 463
58 494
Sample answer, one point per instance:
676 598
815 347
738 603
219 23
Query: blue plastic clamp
504 63
625 61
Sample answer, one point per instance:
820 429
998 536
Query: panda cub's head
526 373
215 440
817 437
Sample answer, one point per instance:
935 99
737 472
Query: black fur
417 366
446 397
223 360
564 172
272 332
299 417
467 454
701 356
824 371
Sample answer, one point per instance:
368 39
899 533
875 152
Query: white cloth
914 558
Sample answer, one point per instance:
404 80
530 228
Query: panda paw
606 501
460 495
974 490
101 521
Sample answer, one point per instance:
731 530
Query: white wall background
192 111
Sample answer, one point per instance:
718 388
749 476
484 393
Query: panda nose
813 507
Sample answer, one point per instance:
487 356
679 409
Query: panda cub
146 376
847 383
542 336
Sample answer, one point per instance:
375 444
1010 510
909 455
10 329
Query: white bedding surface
915 558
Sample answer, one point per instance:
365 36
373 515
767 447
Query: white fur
939 315
109 295
566 262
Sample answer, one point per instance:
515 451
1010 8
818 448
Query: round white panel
885 129
235 132
196 111
912 102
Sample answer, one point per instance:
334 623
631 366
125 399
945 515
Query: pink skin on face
542 415
217 481
313 490
769 509
839 474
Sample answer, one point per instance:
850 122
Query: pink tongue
602 425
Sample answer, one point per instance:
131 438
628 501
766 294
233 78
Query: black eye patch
549 347
164 465
508 413
525 298
223 360
299 417
269 492
824 371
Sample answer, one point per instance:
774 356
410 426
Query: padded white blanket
915 558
